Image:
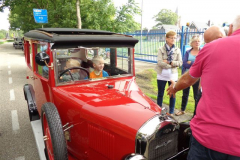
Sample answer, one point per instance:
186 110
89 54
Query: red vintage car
106 118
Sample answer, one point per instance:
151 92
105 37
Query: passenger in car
98 65
74 72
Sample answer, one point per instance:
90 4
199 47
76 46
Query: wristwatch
170 63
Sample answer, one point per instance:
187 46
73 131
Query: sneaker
180 113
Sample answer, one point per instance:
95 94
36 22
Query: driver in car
73 72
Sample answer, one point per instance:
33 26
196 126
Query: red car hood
113 104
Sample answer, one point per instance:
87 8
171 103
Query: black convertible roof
73 37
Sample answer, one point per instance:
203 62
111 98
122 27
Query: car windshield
91 64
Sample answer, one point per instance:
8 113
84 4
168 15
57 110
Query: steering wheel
68 70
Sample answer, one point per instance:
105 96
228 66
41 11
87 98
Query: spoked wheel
53 135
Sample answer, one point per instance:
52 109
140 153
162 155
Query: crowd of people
170 59
215 127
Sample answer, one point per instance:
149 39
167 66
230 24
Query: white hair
236 23
194 38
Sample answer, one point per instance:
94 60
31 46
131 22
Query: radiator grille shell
164 146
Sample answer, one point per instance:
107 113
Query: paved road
16 136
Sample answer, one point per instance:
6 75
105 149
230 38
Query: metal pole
141 29
182 40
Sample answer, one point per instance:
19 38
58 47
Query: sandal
180 113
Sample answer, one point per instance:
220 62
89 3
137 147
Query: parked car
106 118
18 43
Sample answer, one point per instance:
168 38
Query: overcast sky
218 11
4 24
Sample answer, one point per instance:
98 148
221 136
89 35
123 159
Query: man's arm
185 81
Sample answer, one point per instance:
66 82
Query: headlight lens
149 128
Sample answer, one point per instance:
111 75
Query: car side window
42 70
123 60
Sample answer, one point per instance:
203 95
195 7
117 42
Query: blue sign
40 15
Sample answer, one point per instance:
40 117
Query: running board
38 135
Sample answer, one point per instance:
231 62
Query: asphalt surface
16 137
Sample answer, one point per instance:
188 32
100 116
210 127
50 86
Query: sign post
40 15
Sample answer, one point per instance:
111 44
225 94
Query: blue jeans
186 94
199 152
161 88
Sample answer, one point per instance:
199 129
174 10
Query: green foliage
95 14
59 15
98 14
166 16
10 34
3 33
124 21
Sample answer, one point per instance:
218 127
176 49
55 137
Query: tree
78 14
90 14
124 21
166 16
98 14
102 15
3 33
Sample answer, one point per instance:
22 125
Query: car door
41 83
29 60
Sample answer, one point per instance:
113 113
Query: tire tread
56 131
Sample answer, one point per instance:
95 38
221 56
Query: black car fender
30 98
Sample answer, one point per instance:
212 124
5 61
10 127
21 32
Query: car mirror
42 58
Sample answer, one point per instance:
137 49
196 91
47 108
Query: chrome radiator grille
164 146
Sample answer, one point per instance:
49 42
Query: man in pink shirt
216 128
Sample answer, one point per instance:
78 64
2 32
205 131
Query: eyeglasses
172 38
